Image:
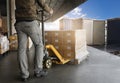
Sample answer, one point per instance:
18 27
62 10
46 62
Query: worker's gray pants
24 30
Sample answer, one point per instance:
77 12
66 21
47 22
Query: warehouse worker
26 26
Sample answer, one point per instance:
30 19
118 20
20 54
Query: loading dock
100 67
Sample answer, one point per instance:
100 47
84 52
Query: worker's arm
45 6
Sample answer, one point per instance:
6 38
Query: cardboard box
13 42
13 45
13 37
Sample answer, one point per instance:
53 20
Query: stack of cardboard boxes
70 44
14 42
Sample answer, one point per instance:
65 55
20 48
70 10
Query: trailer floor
99 67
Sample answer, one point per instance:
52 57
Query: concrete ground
99 67
108 48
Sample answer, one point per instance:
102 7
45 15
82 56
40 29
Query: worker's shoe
42 73
25 79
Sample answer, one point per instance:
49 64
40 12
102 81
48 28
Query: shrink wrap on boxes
70 44
4 44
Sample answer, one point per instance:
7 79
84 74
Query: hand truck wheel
48 63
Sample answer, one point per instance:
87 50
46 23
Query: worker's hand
51 11
48 9
45 6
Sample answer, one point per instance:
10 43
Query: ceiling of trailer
60 7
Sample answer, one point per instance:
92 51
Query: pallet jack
48 59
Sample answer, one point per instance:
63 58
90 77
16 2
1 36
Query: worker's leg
22 46
36 36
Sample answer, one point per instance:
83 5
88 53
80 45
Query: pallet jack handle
43 32
42 24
